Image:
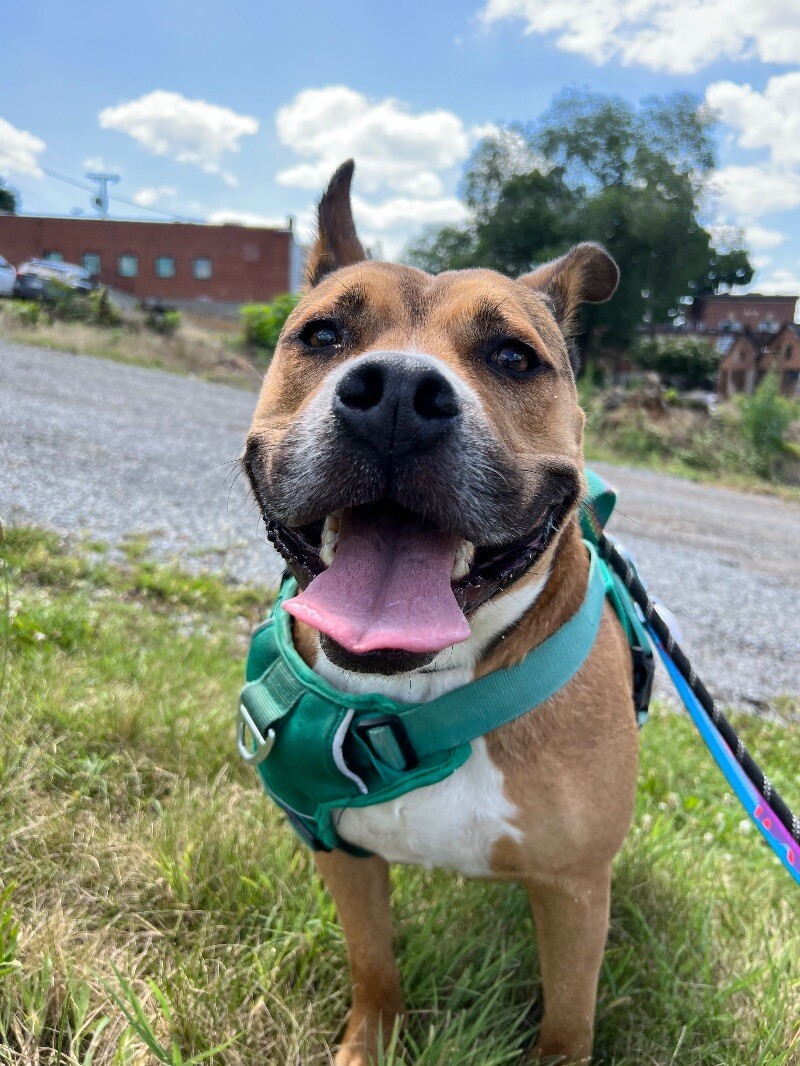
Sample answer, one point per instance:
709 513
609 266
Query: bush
103 312
27 313
67 304
766 416
686 362
163 320
262 323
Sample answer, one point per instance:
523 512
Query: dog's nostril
362 390
435 398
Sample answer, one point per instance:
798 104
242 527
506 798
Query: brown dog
414 435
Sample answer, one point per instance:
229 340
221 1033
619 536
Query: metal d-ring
264 744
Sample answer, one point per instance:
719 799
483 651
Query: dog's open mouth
380 577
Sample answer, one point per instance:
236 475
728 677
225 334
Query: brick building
753 355
175 262
735 313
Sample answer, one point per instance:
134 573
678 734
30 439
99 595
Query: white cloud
96 162
151 194
19 151
394 149
407 212
759 238
679 36
189 131
232 215
764 120
404 160
754 190
782 281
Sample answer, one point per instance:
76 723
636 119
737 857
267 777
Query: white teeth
330 538
463 562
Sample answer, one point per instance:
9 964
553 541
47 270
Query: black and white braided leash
609 551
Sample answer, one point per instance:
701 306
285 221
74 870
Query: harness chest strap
318 749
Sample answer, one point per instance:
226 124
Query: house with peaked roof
786 359
751 357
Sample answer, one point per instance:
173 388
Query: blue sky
239 111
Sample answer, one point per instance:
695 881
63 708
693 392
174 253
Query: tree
688 362
9 198
594 167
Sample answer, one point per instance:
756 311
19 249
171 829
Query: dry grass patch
205 353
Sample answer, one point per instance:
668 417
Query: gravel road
107 449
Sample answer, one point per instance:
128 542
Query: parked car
38 279
8 276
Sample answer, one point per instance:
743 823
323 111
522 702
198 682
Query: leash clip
264 744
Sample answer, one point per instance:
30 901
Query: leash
776 822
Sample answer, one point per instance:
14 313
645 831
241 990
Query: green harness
318 749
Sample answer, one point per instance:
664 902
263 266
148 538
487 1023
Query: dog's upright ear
586 274
337 242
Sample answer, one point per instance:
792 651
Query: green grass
155 909
598 447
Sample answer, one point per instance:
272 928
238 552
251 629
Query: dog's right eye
320 334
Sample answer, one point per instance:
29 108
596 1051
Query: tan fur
570 767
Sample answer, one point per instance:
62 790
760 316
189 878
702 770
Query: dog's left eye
514 358
321 334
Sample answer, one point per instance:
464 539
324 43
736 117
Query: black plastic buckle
398 730
644 670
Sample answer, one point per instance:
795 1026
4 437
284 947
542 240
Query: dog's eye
321 334
514 358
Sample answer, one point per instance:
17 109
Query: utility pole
100 199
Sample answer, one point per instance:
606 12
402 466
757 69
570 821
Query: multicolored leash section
779 826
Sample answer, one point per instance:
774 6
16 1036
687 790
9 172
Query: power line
86 188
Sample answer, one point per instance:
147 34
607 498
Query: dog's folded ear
337 242
586 274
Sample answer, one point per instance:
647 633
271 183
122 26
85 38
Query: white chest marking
456 822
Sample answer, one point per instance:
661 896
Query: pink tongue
387 587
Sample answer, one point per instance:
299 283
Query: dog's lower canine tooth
328 549
330 538
463 561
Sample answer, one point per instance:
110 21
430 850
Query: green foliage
9 198
685 361
597 168
766 416
163 320
103 312
26 313
67 304
262 323
131 1006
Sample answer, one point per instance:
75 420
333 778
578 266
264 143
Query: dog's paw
558 1054
353 1056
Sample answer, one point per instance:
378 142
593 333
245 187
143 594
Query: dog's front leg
360 890
571 916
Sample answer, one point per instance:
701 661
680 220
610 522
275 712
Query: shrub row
262 323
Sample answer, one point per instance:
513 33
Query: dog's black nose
396 404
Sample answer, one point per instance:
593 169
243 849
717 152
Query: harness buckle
644 669
400 736
264 744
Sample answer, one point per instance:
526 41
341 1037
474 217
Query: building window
91 263
165 266
54 257
202 269
128 266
